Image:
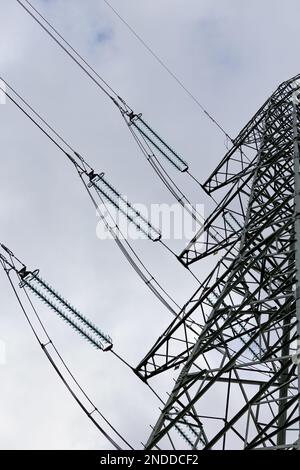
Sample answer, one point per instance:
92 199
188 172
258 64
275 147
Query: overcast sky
231 54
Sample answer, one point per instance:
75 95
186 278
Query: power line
66 50
37 114
97 79
148 139
45 347
110 92
80 165
104 82
168 70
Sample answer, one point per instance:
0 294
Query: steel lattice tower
237 339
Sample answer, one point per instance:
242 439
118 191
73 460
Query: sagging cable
96 179
50 350
133 118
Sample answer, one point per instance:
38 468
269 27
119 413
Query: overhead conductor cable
148 139
27 279
49 348
104 191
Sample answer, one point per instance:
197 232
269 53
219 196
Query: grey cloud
231 54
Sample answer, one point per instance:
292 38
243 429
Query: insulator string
80 165
45 348
60 374
145 131
130 254
64 310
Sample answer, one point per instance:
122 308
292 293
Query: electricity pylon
237 339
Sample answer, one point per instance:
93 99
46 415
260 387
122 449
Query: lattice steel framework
237 338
